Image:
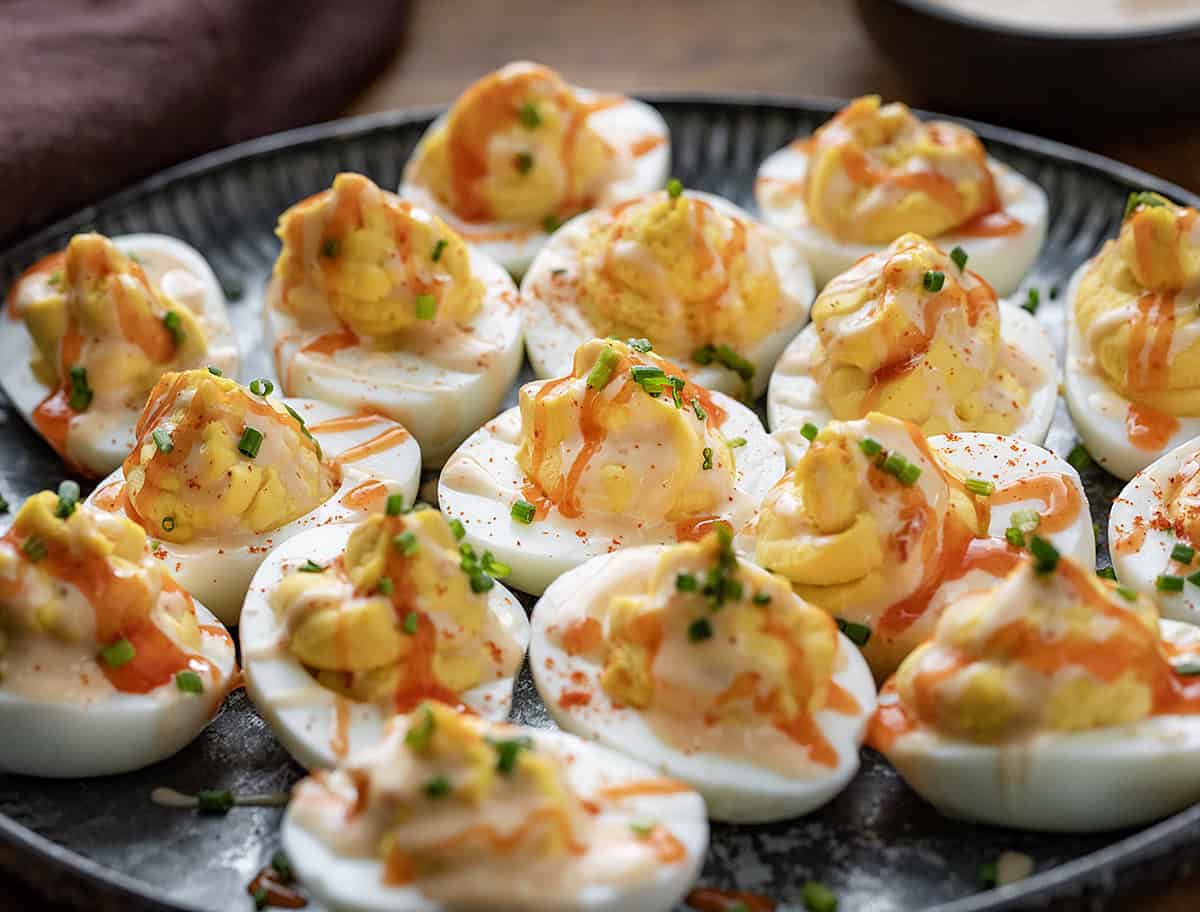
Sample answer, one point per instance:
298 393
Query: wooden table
797 47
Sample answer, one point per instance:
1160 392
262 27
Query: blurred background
99 93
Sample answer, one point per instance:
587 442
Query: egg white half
1067 782
218 571
120 733
794 397
347 884
555 326
1003 261
302 713
1141 543
440 394
734 790
98 441
513 244
1099 411
482 480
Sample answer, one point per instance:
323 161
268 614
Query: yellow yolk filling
1060 651
875 172
891 343
615 447
769 656
1131 309
196 478
516 147
375 262
680 273
372 626
104 315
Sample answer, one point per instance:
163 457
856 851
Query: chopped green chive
493 567
261 898
640 345
809 431
523 511
426 306
1144 198
706 455
686 582
507 752
81 394
262 387
1053 292
818 897
1014 537
385 586
1168 583
216 371
411 621
420 733
215 801
162 440
1079 458
894 463
34 548
523 162
674 188
959 256
737 442
168 523
189 682
909 474
551 224
282 867
642 828
735 362
1032 299
933 280
700 630
1181 553
762 598
701 415
1194 579
55 279
1107 573
119 653
406 543
1025 520
1045 554
870 446
437 787
1126 593
331 248
174 326
529 115
987 874
394 505
311 566
438 249
1188 669
602 371
251 440
647 374
858 634
706 354
3 505
979 486
68 499
481 582
458 529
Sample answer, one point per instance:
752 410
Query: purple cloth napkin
94 95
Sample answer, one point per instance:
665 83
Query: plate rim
1070 878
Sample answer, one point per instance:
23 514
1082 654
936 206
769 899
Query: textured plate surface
102 844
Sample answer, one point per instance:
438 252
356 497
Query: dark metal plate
102 844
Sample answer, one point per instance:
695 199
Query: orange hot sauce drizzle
710 899
365 496
1054 490
1151 331
380 443
643 145
1148 428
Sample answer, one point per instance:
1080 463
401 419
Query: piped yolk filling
517 147
625 433
374 262
680 273
212 459
908 333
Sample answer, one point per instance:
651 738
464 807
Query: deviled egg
521 151
1133 338
106 664
102 321
345 626
1154 533
708 668
624 450
221 473
874 173
912 332
884 528
711 288
1049 702
377 305
452 812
